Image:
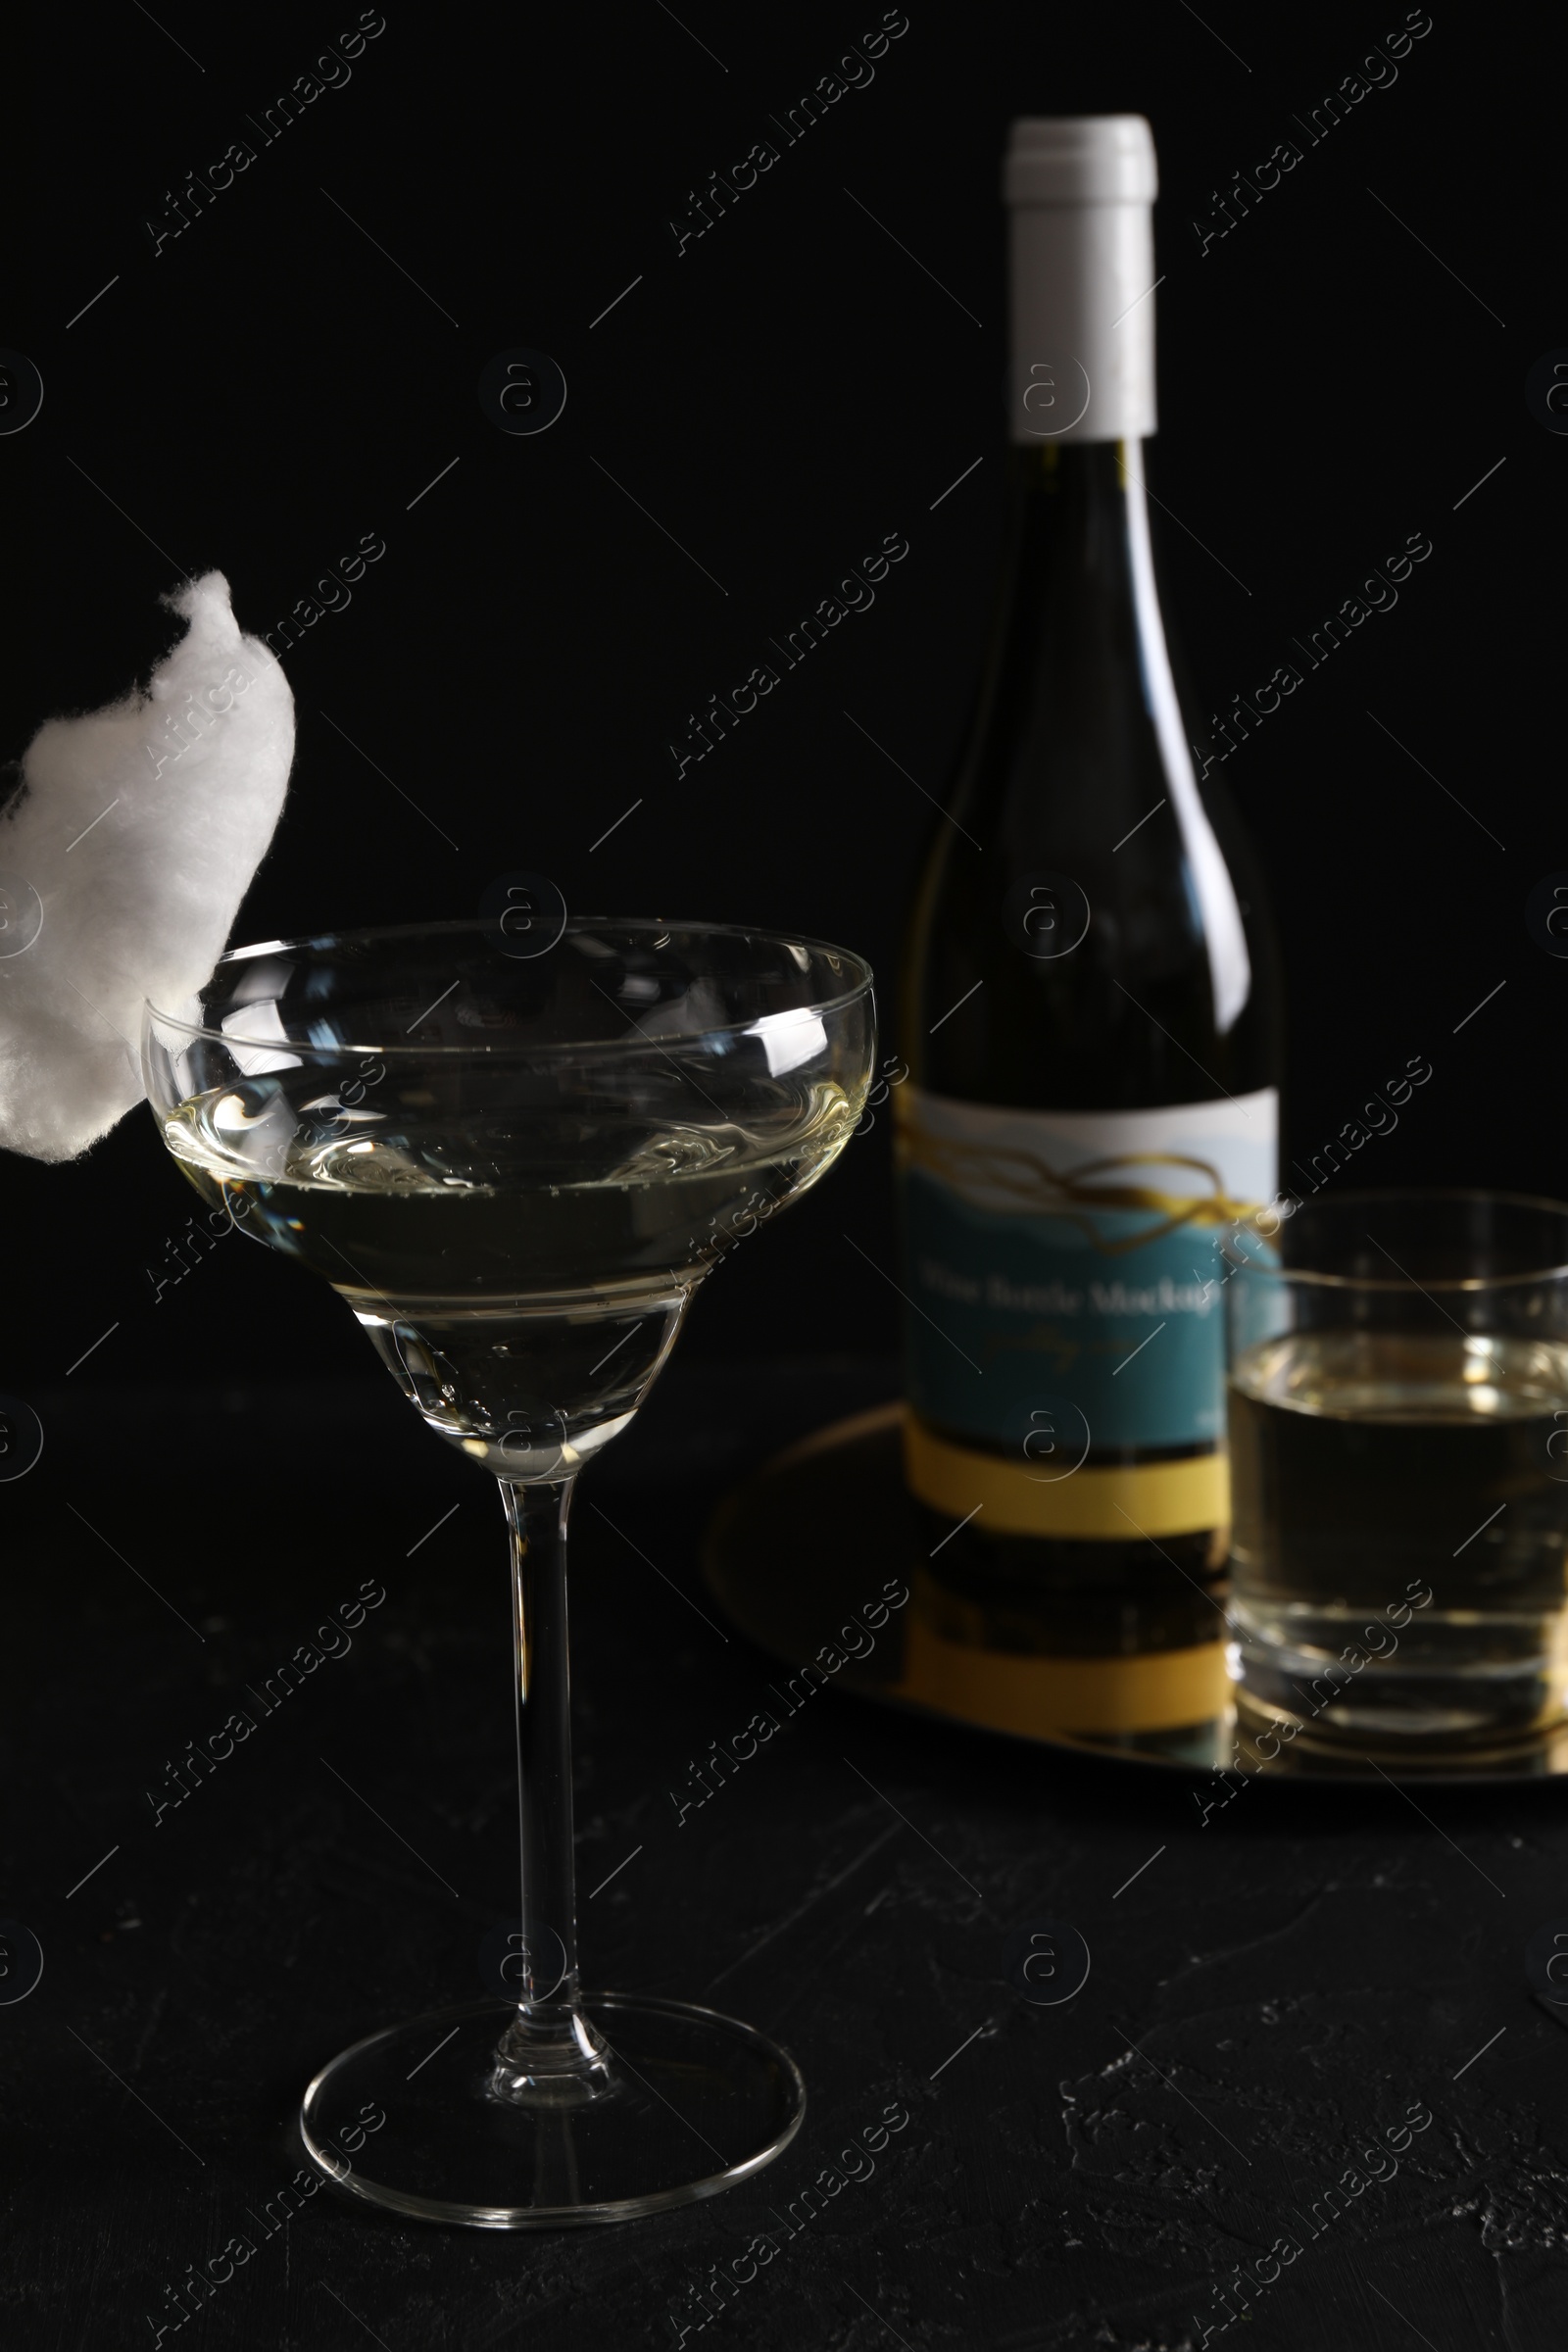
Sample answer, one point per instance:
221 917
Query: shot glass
1398 1386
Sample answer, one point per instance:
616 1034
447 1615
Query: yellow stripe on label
1035 1697
1151 1498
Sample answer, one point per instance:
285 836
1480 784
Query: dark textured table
1305 2093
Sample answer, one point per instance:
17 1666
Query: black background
268 388
780 395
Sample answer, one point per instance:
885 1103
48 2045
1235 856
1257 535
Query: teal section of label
1017 1310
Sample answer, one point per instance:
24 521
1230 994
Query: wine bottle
1087 1011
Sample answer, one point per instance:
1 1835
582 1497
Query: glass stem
549 2040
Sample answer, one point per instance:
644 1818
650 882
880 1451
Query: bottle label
1065 1274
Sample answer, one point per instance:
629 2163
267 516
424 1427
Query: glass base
658 2103
1466 1682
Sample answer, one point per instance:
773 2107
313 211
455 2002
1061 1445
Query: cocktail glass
517 1153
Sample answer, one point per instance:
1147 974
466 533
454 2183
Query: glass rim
1407 1282
453 925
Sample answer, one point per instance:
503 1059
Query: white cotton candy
139 829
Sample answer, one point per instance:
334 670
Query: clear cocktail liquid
521 1278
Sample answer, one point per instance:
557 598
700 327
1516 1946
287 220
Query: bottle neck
1081 540
1084 499
1083 590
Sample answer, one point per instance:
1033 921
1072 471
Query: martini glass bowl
515 1148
